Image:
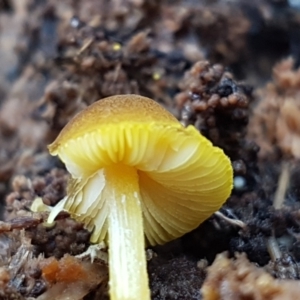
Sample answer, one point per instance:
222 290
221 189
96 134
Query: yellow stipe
128 277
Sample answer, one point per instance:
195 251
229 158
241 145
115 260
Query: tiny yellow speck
156 76
117 46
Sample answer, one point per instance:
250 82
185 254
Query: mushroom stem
128 276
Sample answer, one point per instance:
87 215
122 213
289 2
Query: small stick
273 248
95 251
283 184
234 222
85 46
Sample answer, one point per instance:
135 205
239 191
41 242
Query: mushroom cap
183 178
112 110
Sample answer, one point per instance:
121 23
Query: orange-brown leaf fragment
50 267
71 278
68 269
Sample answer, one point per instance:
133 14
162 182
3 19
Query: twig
273 248
283 184
234 222
95 251
85 46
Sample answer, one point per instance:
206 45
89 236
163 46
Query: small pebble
239 182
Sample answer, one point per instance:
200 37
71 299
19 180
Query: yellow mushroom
138 174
